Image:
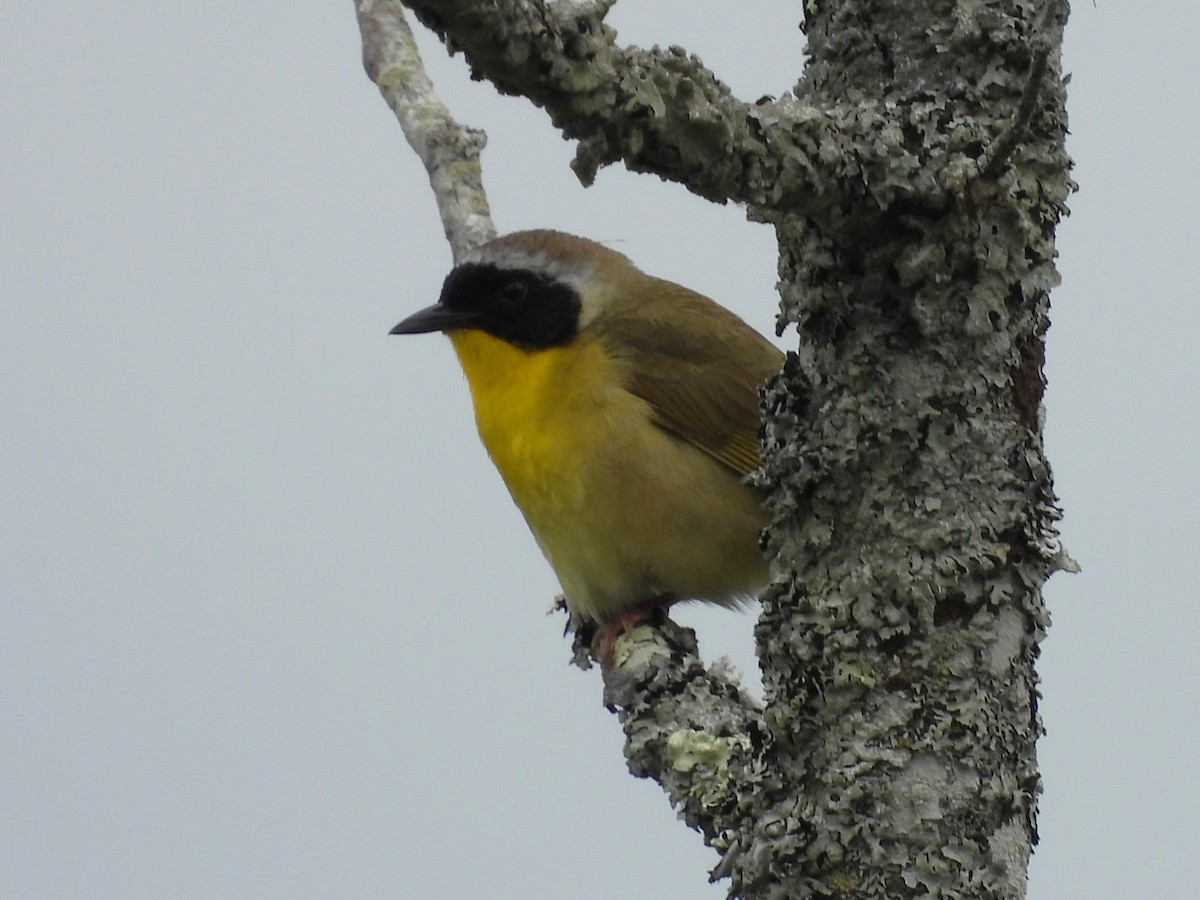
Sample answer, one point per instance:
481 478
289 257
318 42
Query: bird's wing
699 367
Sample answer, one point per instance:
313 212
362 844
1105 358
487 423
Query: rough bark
914 178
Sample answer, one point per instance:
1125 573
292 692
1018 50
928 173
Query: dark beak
436 318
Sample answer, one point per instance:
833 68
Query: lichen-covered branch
828 143
660 111
449 151
691 729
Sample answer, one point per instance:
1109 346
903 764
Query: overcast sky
270 626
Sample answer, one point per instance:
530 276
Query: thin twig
449 151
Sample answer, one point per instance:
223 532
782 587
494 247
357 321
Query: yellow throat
526 415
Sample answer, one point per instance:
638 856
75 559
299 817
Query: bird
622 413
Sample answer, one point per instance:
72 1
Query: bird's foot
650 612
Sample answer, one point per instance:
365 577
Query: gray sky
269 624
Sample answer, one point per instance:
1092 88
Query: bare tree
914 178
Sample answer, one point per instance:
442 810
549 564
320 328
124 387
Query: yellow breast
623 511
530 409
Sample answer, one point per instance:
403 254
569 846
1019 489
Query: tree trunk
914 512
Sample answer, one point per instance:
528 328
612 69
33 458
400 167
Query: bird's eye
513 292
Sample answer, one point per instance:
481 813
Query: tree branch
660 111
691 729
449 151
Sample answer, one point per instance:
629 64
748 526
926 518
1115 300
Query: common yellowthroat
622 412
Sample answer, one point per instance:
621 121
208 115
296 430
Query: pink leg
605 638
